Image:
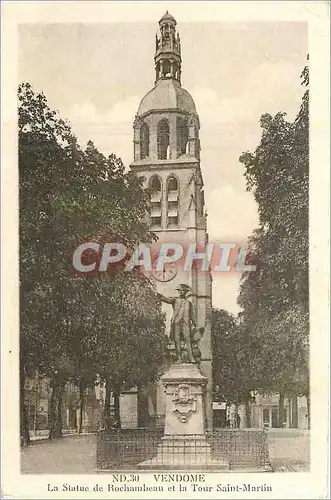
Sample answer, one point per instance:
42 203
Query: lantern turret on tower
167 52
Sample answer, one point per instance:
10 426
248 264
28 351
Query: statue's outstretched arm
167 300
200 296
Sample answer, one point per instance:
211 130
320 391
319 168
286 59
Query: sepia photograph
163 176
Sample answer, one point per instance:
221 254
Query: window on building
156 202
156 222
155 185
275 417
172 184
266 417
172 203
166 68
284 423
182 136
163 139
144 141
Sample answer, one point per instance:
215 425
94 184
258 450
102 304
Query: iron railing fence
243 448
127 449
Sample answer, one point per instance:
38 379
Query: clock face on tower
168 273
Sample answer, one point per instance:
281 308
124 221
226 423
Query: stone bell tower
167 156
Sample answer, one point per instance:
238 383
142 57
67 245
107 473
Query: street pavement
69 455
288 452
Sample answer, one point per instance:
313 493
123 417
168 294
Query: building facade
167 157
266 412
38 394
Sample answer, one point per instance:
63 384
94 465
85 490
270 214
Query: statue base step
184 452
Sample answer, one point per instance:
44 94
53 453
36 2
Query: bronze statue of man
182 321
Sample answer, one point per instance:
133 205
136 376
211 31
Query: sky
96 74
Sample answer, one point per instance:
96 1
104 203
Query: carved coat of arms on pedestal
184 403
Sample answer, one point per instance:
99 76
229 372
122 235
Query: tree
225 348
275 298
236 360
43 139
136 351
68 196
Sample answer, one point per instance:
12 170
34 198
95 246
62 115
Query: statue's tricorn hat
182 286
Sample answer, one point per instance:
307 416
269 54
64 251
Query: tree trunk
55 427
81 405
294 417
36 402
117 415
248 409
143 414
237 417
308 410
24 429
281 410
242 423
106 411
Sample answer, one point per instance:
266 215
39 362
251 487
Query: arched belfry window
155 184
144 141
155 187
172 184
172 202
182 136
166 68
163 140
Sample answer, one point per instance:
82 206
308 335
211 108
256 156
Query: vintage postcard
165 298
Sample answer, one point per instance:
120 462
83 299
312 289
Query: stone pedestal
184 444
185 412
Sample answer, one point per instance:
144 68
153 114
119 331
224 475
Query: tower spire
167 52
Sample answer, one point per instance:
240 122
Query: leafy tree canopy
75 324
275 298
